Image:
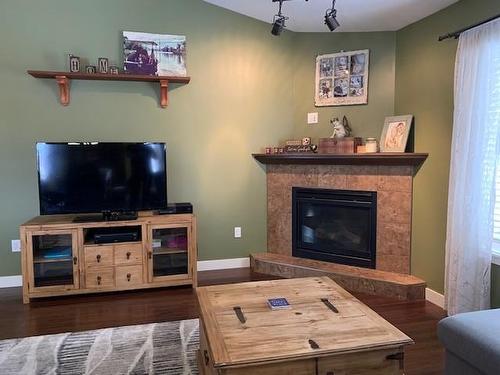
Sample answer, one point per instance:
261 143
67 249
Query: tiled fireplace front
393 185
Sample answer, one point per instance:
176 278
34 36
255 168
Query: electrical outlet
16 246
237 232
312 118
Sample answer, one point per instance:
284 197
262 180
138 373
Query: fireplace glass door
335 225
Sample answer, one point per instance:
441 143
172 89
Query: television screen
96 177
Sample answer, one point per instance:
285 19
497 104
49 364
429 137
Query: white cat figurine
340 129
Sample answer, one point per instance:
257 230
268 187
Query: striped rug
160 348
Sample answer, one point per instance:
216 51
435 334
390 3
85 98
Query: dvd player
113 235
177 208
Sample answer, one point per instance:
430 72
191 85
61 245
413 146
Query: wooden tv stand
60 257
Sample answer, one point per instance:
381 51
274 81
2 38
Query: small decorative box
278 303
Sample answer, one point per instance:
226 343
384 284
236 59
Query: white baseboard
434 297
204 265
223 264
11 281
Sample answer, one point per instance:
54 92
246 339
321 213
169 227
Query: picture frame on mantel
395 133
342 78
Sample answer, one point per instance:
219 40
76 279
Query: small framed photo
73 63
90 69
102 63
113 69
395 133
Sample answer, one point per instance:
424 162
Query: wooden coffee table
326 331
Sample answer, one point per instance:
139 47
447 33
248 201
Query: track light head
278 20
331 18
278 25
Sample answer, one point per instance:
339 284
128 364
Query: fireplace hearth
338 226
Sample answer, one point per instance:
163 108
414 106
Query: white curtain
474 158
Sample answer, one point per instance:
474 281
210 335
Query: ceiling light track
279 19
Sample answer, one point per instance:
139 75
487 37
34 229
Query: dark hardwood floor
78 313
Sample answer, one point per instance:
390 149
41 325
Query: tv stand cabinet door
52 261
170 252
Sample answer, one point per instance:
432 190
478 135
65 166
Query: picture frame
342 78
395 133
154 54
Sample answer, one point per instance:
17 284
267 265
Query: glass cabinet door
169 252
53 259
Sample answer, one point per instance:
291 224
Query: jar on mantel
371 145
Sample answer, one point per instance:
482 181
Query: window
496 218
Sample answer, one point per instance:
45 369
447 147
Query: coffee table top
310 328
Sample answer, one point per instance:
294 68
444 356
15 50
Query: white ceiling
353 15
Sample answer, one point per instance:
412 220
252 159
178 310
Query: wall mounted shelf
63 80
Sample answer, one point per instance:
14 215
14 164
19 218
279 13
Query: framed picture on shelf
342 78
395 133
154 54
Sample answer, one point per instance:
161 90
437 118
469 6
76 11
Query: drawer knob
99 280
207 358
128 255
129 276
75 260
98 257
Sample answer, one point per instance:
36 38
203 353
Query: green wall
248 90
424 87
495 286
239 99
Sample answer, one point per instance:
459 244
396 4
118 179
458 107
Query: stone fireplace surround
394 187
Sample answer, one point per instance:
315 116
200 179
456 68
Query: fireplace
336 226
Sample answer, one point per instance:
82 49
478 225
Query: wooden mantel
390 158
63 81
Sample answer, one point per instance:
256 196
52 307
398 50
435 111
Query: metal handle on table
98 257
129 276
75 260
330 305
128 255
99 278
239 314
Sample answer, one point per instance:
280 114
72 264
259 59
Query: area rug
160 348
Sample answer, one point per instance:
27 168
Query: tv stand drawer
128 276
99 278
98 256
128 254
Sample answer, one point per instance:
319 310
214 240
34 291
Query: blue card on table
278 303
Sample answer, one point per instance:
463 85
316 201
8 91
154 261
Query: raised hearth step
354 279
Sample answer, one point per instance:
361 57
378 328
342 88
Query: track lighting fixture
279 19
331 18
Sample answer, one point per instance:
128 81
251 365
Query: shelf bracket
163 93
63 83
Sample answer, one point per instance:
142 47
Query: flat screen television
97 177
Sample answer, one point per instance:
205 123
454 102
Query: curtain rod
457 33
